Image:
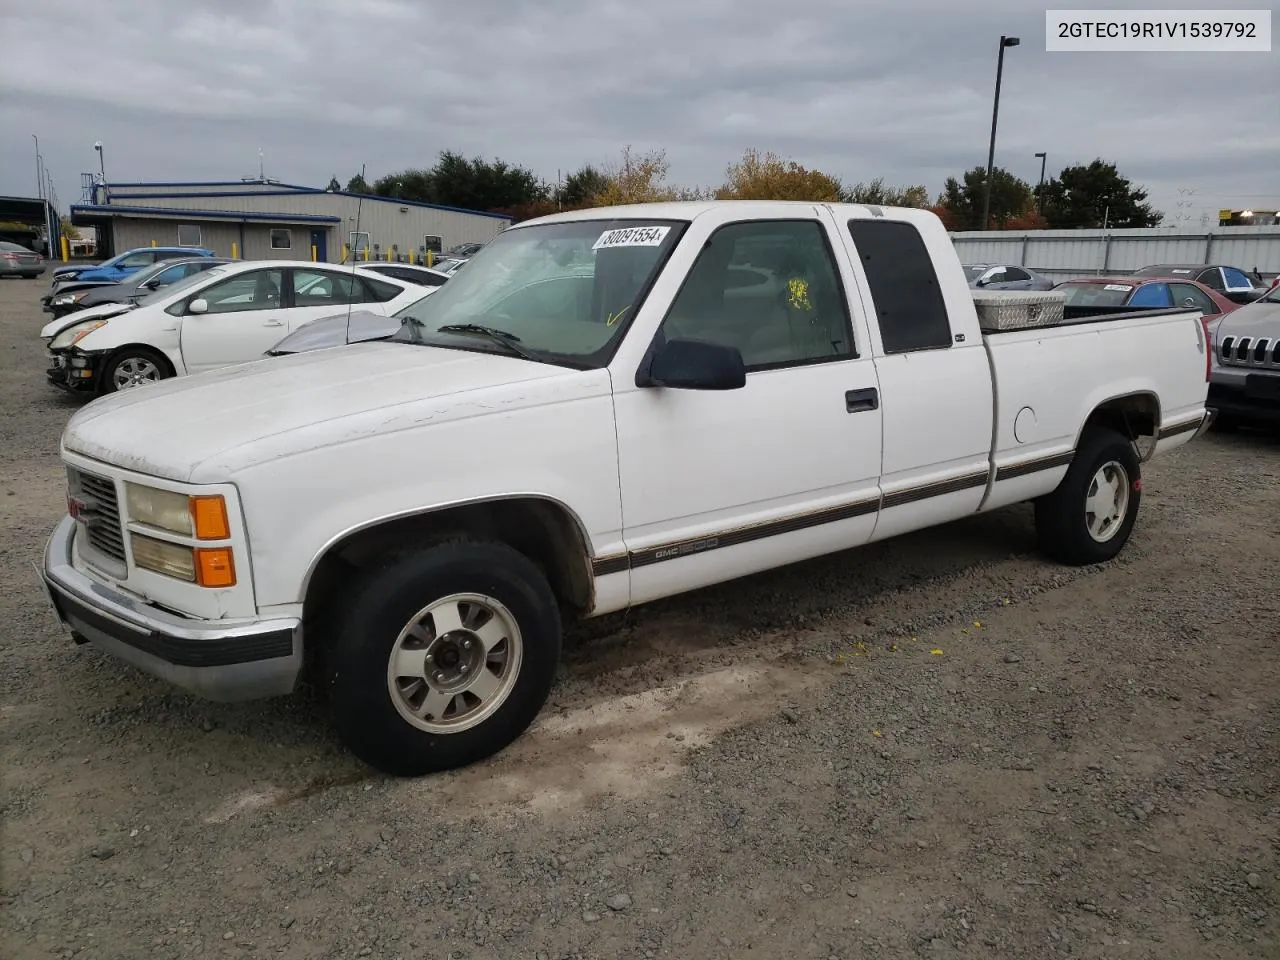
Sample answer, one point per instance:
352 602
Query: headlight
197 517
75 333
69 298
159 508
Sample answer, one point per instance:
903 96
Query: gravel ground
940 745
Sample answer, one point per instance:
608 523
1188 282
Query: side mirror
198 306
695 365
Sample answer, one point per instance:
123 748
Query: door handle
273 323
856 401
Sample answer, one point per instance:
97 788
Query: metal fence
1062 254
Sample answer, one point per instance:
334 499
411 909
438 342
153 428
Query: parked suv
1244 381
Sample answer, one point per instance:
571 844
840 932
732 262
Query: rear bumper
216 659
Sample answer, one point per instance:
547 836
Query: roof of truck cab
689 209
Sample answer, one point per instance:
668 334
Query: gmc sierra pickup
605 407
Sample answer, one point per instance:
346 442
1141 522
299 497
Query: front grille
102 520
1250 351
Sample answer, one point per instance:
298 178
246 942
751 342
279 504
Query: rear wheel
133 367
442 656
1090 516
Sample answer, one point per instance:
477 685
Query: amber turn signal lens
215 567
209 515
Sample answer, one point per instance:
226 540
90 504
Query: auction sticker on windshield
1122 288
631 237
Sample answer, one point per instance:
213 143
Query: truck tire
442 656
1089 517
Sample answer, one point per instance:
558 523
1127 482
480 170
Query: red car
1108 294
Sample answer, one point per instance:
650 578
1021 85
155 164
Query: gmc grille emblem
79 508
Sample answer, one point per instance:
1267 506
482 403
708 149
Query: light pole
1043 158
995 112
39 169
102 169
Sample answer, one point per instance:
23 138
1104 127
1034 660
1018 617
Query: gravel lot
940 745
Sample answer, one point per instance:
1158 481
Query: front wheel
442 657
133 367
1090 516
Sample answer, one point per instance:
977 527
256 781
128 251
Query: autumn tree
636 179
1010 197
878 193
1094 195
769 177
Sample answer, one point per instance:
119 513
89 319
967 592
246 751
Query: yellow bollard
346 252
66 249
235 251
366 254
388 254
153 243
411 254
431 258
313 253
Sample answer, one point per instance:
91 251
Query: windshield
164 293
1096 294
563 292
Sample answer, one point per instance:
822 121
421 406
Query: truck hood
209 426
55 327
1258 319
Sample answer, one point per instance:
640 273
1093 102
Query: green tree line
1081 195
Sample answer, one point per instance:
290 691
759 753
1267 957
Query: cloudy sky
191 90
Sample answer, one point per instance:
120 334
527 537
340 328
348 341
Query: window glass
768 288
910 310
613 260
359 243
169 275
321 288
1212 278
1151 295
1016 273
1086 294
379 292
257 290
188 235
1185 295
140 259
281 239
1236 280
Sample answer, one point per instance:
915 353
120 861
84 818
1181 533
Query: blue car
124 264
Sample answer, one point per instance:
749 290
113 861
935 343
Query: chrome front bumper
224 660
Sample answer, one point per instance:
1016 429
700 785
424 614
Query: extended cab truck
687 393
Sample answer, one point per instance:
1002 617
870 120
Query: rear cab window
910 309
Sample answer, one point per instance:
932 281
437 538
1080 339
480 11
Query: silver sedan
999 276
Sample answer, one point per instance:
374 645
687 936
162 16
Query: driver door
245 317
716 484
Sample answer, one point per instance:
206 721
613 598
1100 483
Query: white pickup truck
680 394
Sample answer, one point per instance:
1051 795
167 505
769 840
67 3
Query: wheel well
544 531
160 354
1135 416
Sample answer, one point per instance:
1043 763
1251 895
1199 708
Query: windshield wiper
506 339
